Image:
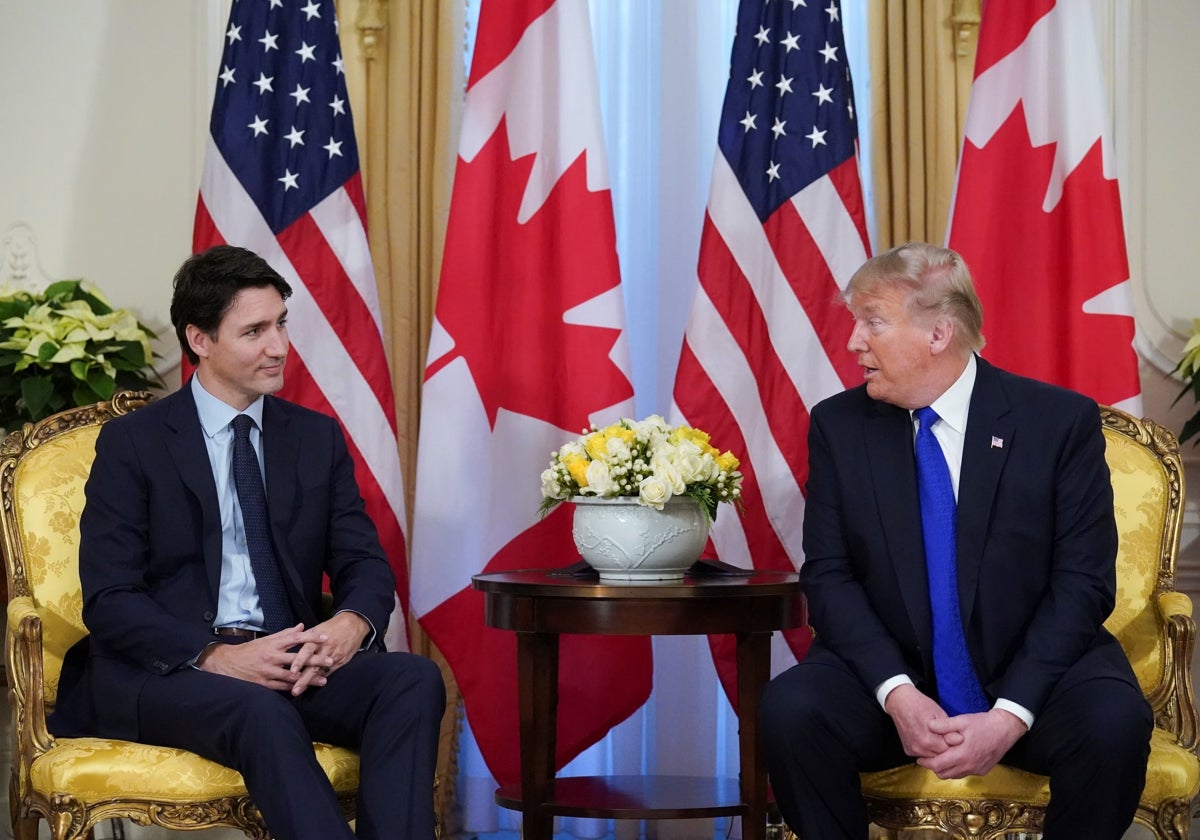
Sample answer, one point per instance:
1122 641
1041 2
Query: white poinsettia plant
650 460
1188 370
67 346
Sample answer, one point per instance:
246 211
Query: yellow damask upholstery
1155 627
74 783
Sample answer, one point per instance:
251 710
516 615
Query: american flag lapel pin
997 442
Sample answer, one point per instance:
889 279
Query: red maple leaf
1035 270
505 287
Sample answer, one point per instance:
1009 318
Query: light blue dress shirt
237 600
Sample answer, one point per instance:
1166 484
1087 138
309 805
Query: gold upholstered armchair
75 783
1153 623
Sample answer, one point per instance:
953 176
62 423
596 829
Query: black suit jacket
1036 540
150 549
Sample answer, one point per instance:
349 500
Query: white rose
695 466
654 492
599 481
667 471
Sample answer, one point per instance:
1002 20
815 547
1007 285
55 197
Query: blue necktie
959 690
247 478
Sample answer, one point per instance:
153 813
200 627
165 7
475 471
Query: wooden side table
539 605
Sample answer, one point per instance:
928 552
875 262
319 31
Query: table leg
753 671
537 681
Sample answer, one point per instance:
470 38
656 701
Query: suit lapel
894 479
988 441
185 442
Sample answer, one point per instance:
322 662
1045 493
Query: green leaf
14 307
1187 386
130 352
64 289
98 306
37 391
101 383
79 369
83 395
1190 429
134 381
47 351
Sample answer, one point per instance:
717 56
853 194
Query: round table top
570 583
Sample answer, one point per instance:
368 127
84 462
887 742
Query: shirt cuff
1015 709
193 662
885 687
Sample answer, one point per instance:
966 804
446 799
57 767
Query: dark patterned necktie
277 613
959 690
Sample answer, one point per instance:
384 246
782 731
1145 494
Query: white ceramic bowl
625 541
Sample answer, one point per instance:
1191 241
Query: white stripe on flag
237 219
337 218
721 357
791 332
833 230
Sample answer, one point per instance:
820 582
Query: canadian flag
1037 212
528 349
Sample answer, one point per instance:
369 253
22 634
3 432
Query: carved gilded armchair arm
26 676
1175 706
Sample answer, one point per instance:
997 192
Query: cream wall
100 150
104 104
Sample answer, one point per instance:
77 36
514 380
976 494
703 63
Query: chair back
1147 479
43 469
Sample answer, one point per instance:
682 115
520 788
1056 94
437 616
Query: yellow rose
622 433
595 444
727 461
577 466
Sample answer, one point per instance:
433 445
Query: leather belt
239 632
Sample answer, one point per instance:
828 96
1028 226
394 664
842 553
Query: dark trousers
388 706
821 727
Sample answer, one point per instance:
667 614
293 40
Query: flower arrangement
648 459
1188 368
65 347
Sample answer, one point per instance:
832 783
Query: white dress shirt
953 407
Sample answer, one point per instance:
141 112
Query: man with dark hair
960 550
203 593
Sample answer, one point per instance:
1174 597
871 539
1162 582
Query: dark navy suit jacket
1037 541
150 549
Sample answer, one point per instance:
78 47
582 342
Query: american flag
783 232
281 177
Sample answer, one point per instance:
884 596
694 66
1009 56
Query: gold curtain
407 100
922 59
406 78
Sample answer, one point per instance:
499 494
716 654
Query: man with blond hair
960 550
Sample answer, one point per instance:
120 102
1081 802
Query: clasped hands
952 747
292 659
